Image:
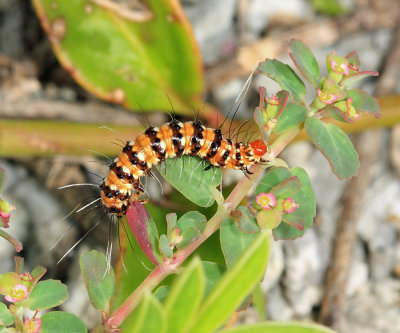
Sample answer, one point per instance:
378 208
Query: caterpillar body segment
174 139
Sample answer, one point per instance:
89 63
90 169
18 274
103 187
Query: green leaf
8 281
234 239
188 176
191 226
350 80
328 7
279 327
165 249
287 188
213 273
127 56
61 322
17 244
305 61
161 293
364 102
285 77
185 297
233 287
3 178
292 115
171 223
335 145
258 300
6 317
305 197
149 317
47 294
272 178
37 274
335 113
19 264
353 58
99 279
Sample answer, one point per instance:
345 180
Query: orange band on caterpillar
174 139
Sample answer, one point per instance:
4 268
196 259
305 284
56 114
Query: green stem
167 268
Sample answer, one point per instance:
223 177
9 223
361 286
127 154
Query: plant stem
166 268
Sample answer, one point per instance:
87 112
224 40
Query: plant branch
169 267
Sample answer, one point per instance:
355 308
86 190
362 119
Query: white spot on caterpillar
140 156
183 141
162 145
156 129
126 170
180 124
113 187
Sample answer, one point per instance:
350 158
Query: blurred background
344 272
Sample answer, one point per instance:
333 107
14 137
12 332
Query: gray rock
278 307
261 12
212 22
303 273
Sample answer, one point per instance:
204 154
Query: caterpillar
122 186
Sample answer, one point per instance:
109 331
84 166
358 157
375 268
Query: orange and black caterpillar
174 139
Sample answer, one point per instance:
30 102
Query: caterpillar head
259 148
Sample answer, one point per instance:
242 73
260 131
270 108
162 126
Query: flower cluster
342 71
272 209
32 325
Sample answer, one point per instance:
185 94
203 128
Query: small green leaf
335 113
287 188
191 226
233 287
19 264
8 281
165 249
61 322
305 61
335 145
47 294
37 274
292 115
364 102
17 244
171 223
185 297
350 80
279 327
6 317
353 58
3 178
235 239
148 318
213 273
285 77
161 293
188 176
99 279
273 177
